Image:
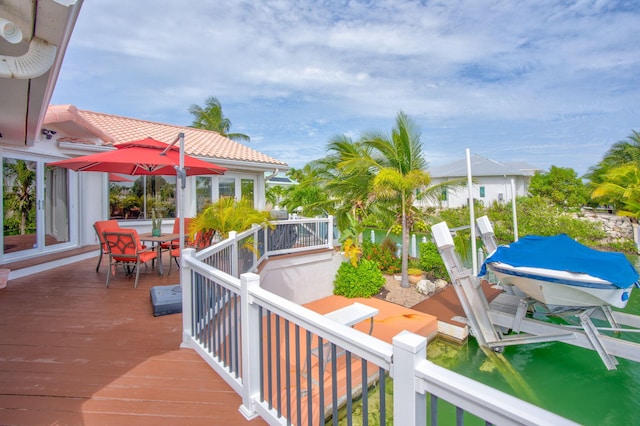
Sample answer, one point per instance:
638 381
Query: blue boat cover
562 253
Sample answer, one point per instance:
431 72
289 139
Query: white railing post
330 232
250 326
185 285
234 254
256 230
409 404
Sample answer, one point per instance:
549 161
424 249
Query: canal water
567 380
570 381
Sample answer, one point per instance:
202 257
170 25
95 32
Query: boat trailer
505 321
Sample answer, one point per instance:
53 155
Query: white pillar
472 220
185 280
409 404
234 254
250 326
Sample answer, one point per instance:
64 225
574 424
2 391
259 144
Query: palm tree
400 170
308 194
622 152
621 185
349 181
211 117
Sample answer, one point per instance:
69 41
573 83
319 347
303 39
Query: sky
544 82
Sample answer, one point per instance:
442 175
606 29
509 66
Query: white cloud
294 73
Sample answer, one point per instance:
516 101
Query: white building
493 181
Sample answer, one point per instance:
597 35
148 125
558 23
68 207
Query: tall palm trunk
404 281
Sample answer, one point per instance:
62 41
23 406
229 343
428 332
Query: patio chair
176 230
125 249
201 240
101 226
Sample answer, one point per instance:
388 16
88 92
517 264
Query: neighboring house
493 181
278 182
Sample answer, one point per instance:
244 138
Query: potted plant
415 275
156 224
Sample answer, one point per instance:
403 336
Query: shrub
383 254
364 280
431 262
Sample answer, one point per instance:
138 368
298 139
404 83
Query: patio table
157 241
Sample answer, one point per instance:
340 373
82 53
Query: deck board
75 352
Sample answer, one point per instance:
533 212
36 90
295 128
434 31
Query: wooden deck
73 352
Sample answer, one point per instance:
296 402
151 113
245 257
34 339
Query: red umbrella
117 178
146 157
143 157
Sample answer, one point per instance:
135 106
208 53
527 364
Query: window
203 192
246 188
482 192
227 187
133 197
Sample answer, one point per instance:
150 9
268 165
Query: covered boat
559 271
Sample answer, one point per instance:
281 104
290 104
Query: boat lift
504 321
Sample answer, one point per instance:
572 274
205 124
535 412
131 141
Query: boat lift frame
489 323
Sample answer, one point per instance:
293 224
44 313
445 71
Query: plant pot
155 232
414 279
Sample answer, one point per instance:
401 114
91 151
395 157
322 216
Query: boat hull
561 288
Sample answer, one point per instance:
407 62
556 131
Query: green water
567 380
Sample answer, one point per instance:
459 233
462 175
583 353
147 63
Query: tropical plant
621 186
349 181
431 261
211 117
621 153
308 195
19 193
400 170
383 254
226 215
352 252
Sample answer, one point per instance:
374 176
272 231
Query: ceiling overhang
33 39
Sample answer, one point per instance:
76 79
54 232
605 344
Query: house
278 183
49 209
493 181
82 198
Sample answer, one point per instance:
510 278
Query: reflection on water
570 381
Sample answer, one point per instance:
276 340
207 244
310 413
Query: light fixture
10 32
48 134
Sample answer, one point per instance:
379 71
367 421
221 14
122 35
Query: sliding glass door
35 207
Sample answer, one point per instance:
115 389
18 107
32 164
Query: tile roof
198 142
480 166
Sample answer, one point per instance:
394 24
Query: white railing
294 366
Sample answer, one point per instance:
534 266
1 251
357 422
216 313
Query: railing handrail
356 342
404 359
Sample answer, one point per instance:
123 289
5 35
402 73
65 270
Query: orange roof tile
198 142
